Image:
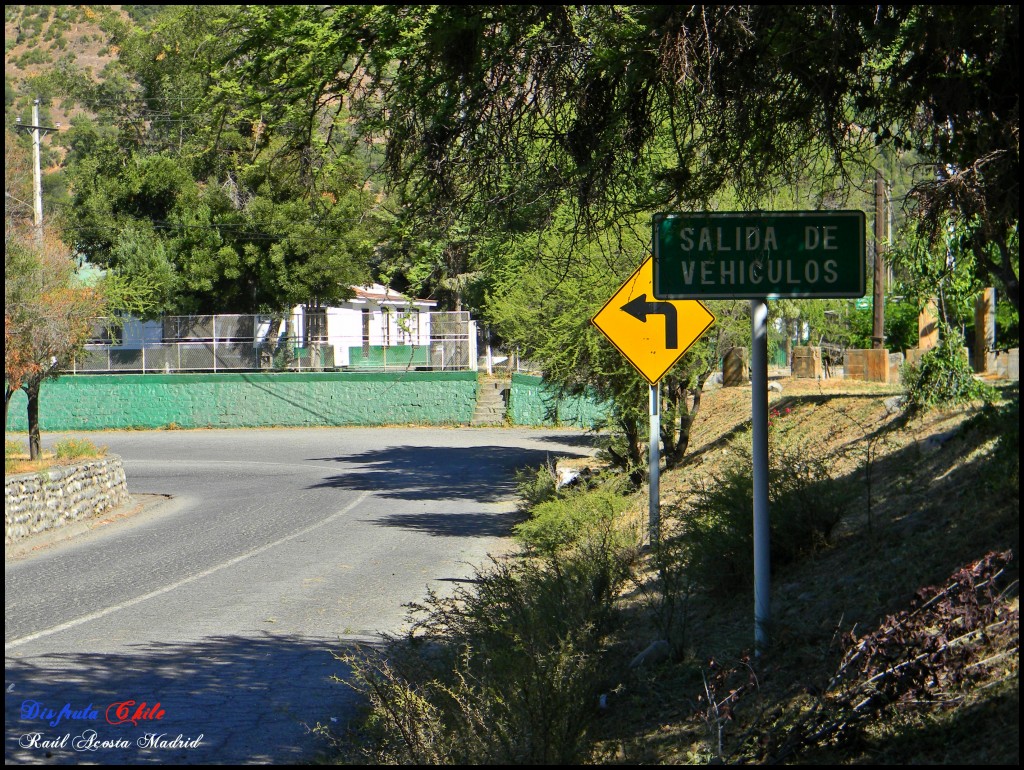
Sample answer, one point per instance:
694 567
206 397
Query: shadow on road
483 473
252 699
482 524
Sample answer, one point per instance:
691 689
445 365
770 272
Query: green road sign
759 254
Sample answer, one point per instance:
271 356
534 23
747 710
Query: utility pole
37 173
878 295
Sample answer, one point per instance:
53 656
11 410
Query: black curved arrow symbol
639 308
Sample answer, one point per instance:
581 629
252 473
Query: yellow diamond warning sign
652 334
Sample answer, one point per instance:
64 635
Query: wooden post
984 328
928 327
878 296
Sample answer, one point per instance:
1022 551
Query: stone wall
37 502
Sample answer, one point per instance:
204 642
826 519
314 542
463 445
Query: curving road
204 628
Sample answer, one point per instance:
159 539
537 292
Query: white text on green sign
753 255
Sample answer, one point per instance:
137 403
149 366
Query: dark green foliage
1007 324
901 327
201 196
627 108
943 377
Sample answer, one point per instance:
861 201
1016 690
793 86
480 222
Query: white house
133 334
378 327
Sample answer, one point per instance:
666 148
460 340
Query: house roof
378 293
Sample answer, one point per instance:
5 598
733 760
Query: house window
316 325
409 326
385 324
104 333
366 332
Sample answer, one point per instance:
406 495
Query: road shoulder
137 504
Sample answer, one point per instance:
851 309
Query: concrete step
491 405
492 399
498 408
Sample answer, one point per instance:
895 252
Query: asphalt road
222 605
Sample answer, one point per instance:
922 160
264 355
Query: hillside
39 38
928 497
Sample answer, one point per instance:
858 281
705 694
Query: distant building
378 327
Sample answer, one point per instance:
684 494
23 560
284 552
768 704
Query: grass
67 452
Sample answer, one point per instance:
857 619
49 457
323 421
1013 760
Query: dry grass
934 506
16 456
21 464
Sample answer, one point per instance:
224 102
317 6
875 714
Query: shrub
673 587
806 503
536 485
943 377
508 672
73 449
571 518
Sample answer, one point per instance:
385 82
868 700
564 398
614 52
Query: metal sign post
759 451
653 335
654 505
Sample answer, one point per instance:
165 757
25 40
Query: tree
48 311
568 124
543 295
47 318
949 87
202 197
49 314
643 107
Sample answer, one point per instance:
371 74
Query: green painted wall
531 402
394 356
99 402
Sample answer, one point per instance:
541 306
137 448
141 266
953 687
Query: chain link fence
226 343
